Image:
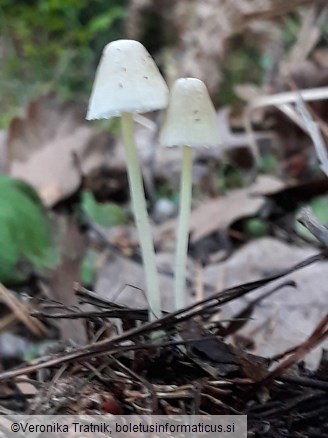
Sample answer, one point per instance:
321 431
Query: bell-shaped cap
191 119
127 80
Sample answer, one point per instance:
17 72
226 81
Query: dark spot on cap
123 68
146 77
197 120
195 111
120 84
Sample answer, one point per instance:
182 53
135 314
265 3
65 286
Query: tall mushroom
190 123
128 81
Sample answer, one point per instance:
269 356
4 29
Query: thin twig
113 346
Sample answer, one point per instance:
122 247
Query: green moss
53 42
242 64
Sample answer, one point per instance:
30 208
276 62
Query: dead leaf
52 148
287 317
253 367
266 185
122 280
26 386
219 213
45 119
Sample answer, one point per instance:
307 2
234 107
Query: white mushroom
128 81
190 122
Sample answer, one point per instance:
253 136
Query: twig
313 130
113 346
21 313
307 218
319 334
143 381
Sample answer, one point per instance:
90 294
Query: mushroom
128 81
191 123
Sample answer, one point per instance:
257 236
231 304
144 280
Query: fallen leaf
26 385
287 317
45 119
52 148
122 280
219 213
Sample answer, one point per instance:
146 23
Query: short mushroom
191 123
128 81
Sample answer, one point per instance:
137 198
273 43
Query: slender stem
141 217
183 228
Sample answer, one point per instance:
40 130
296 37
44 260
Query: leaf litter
221 212
204 344
52 148
225 373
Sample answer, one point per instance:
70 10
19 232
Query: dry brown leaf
52 148
287 317
118 273
220 213
45 119
266 185
26 386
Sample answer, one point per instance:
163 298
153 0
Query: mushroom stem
183 228
141 216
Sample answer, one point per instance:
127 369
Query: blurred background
64 200
56 45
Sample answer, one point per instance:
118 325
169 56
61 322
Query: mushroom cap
127 80
191 118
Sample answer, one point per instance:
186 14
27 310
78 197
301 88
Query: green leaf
107 215
268 163
255 227
104 21
24 231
